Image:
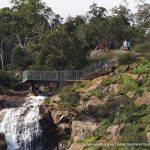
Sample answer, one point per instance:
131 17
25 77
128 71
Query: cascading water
21 125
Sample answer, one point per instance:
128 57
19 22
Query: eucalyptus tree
143 20
6 26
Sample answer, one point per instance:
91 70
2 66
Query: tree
143 20
96 13
60 49
19 59
30 27
6 29
1 55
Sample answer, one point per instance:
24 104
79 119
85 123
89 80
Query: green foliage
126 58
143 47
19 58
8 80
69 99
48 43
103 56
128 84
142 67
134 134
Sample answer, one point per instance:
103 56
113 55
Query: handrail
58 75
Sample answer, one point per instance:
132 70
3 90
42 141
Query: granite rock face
80 129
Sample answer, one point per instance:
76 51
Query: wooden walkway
70 75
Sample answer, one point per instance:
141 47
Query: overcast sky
78 7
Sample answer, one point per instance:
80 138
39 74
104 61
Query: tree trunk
1 55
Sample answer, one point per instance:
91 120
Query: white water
21 125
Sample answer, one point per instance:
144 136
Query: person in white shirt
125 45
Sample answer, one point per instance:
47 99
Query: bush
69 99
134 134
9 81
128 84
142 67
100 55
126 58
143 47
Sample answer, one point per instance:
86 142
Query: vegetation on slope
117 106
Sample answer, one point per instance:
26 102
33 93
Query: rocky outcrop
113 88
59 116
114 132
80 129
3 144
93 102
49 130
148 137
63 122
76 147
144 99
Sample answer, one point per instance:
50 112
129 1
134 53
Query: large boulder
144 99
114 132
80 129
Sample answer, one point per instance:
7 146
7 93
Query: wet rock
49 132
114 132
80 129
3 144
11 101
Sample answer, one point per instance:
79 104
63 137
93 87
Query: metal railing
65 75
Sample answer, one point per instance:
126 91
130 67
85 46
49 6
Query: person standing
111 45
129 45
125 45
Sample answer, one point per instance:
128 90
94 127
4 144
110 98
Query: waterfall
21 125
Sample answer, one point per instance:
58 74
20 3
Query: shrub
128 84
69 99
133 134
142 67
8 80
143 47
100 55
126 58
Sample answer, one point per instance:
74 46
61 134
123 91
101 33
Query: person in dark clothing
111 44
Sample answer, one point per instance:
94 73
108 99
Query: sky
78 7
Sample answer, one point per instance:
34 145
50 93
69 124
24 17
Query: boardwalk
69 75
